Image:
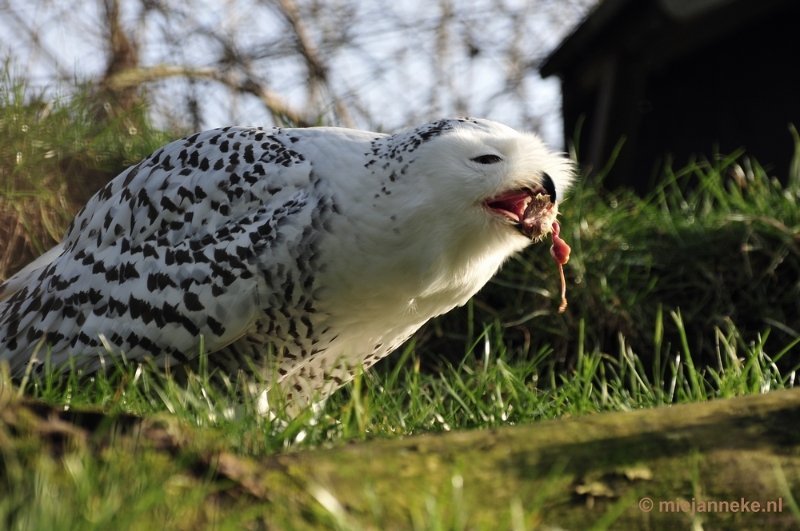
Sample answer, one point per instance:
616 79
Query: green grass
79 487
403 400
687 295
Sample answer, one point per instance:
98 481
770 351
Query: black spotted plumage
292 252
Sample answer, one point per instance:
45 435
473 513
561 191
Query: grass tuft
54 156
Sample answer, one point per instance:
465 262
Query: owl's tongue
513 204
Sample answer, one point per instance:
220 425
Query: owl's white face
495 180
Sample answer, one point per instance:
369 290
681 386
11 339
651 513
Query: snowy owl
298 254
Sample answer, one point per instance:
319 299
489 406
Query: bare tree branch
281 109
123 55
31 34
317 69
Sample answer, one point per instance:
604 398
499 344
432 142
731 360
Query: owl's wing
197 239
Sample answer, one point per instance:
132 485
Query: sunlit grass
84 490
487 388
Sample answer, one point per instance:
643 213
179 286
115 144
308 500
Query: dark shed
679 77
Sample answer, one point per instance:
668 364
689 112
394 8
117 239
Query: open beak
531 210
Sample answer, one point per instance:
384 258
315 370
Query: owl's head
490 179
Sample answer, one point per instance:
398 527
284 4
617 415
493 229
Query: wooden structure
681 77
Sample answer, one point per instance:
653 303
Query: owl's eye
487 159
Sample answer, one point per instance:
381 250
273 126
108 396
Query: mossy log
733 463
638 469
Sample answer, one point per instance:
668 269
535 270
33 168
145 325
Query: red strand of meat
560 252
